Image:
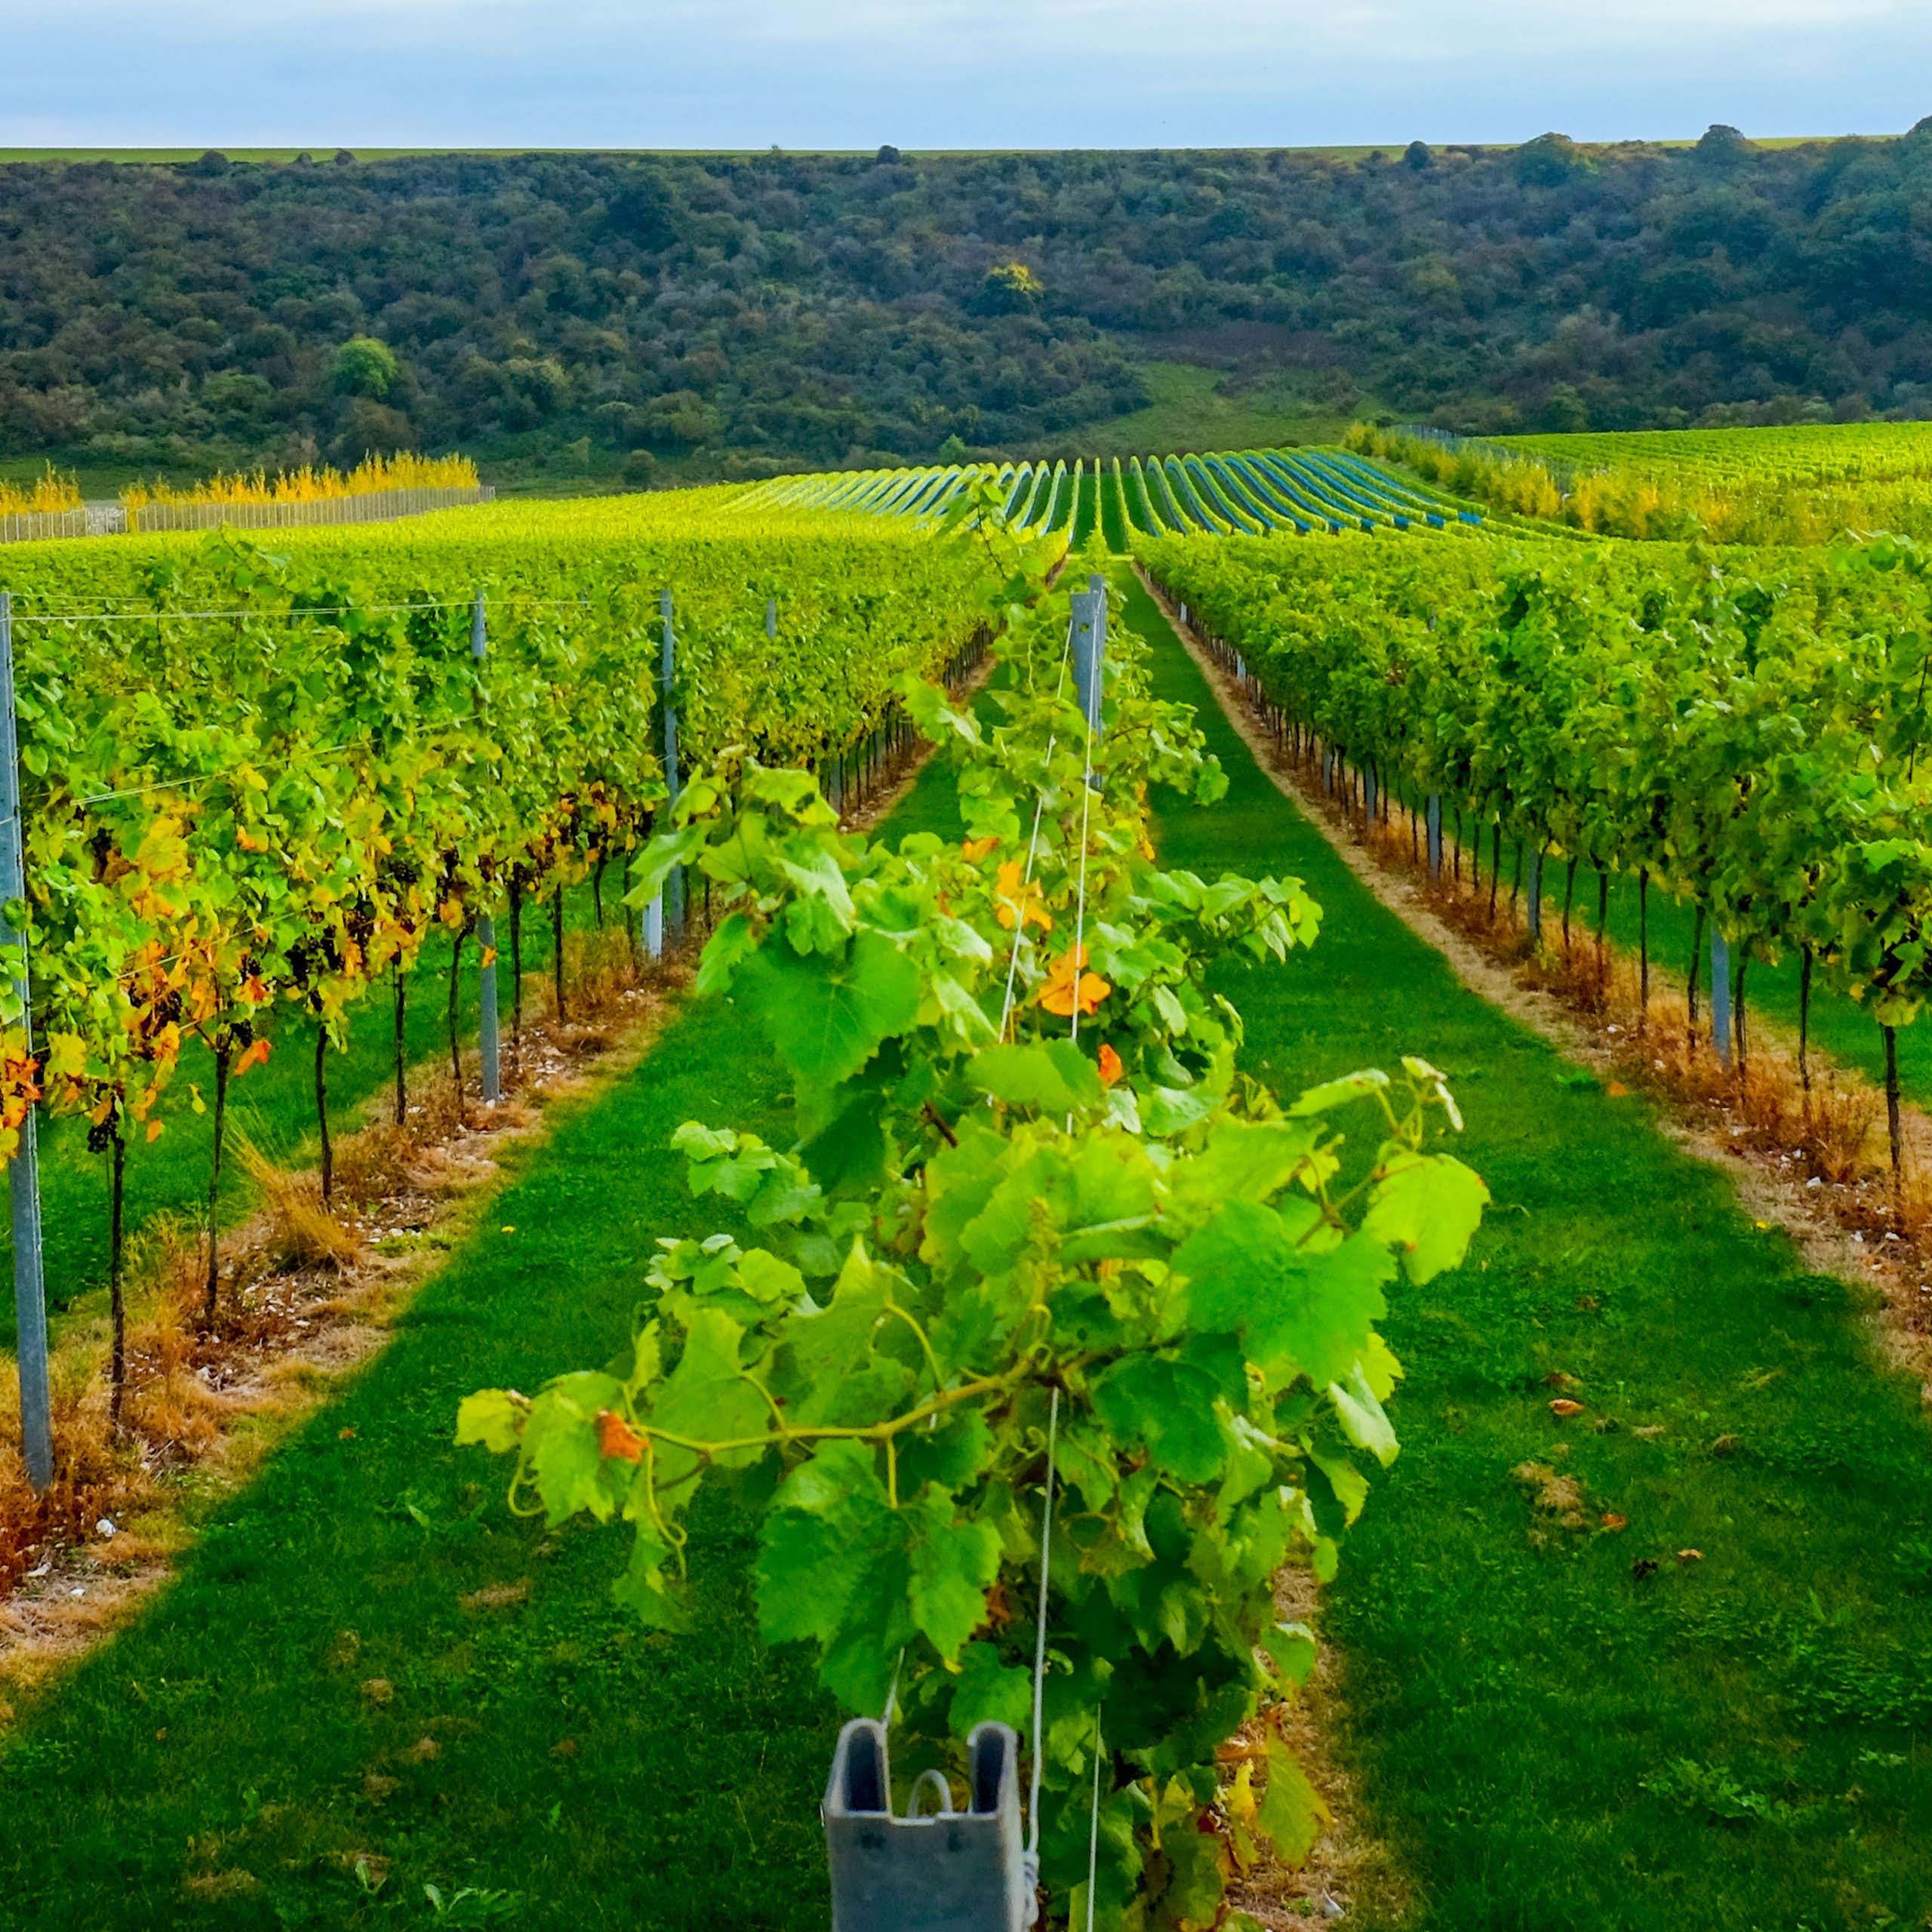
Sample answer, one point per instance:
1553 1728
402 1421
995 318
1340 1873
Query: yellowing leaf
1293 1812
1066 986
1023 904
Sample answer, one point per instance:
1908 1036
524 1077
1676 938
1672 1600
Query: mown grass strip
1547 1732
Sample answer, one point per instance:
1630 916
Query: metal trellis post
1090 620
23 1173
771 618
674 884
1436 837
486 924
1534 889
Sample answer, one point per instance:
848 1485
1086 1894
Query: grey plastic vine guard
942 1871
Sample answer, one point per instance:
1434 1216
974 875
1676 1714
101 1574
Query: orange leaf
1066 986
1023 902
977 849
1612 1521
615 1437
1616 1090
1563 1406
1110 1066
1690 1556
251 1056
154 1131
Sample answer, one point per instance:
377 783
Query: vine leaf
706 1396
954 1562
1293 1812
827 1017
1299 1309
987 1690
1427 1206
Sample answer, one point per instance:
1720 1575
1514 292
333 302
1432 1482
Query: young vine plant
1027 1169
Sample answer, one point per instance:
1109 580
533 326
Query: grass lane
313 1690
1545 1738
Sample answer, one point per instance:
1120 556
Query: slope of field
1804 456
1293 492
1810 484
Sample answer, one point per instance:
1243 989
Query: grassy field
323 1716
1196 408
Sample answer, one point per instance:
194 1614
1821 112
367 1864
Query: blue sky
945 73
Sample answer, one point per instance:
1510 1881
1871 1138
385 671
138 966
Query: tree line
739 315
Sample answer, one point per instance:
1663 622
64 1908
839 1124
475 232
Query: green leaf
950 1456
1300 1308
1293 1649
1426 1206
1334 1093
643 1590
831 1371
1242 1160
1363 1421
1054 1079
1168 1405
560 1440
827 1015
492 1417
827 1529
735 941
988 1691
1292 1811
817 873
954 1560
706 1398
848 1153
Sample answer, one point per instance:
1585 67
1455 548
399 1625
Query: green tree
365 367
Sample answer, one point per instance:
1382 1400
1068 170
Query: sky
742 74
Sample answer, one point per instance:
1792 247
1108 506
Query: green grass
1194 408
1505 1699
587 1774
1509 1687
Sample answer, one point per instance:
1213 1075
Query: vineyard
1030 1287
1252 492
1806 485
